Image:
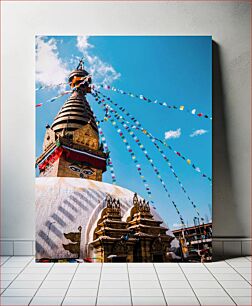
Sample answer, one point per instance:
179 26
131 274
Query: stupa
78 215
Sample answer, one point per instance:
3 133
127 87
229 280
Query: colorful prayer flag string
55 98
141 146
123 121
137 123
133 157
105 146
142 97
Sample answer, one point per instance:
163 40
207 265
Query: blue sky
172 69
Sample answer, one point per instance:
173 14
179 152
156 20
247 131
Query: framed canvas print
123 148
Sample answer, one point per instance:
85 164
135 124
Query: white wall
227 22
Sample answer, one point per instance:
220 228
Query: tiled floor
24 282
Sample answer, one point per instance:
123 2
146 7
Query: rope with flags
141 146
134 158
55 98
137 123
105 146
123 121
193 111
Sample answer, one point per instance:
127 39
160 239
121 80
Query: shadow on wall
225 205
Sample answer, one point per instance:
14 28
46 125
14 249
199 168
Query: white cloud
198 133
82 43
101 72
50 70
173 134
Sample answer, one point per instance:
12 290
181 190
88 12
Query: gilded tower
71 145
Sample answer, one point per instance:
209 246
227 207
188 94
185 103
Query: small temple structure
113 223
138 239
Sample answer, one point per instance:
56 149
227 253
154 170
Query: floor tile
59 277
47 300
115 270
55 284
243 270
239 291
5 283
239 264
94 265
9 270
166 265
174 284
19 292
15 300
204 284
189 300
114 292
195 270
21 258
144 277
82 292
30 276
248 277
51 292
117 301
142 271
114 284
8 276
178 292
201 276
146 292
217 264
190 264
144 284
233 276
36 271
142 265
85 284
234 284
171 276
210 292
113 264
237 259
25 284
168 270
63 270
217 270
150 300
14 264
243 300
39 265
89 268
86 277
79 300
111 277
220 300
4 259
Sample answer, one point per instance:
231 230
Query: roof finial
81 64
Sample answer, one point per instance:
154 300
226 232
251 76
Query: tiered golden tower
71 145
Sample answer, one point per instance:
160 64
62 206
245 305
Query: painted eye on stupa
87 171
74 168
